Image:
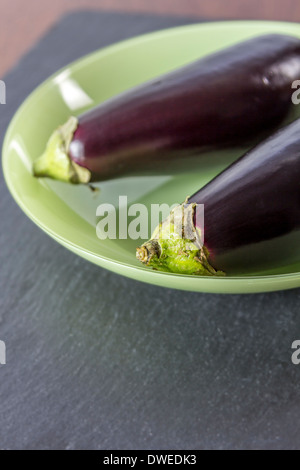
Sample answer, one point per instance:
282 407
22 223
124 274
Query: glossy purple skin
254 205
226 99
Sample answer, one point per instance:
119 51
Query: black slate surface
97 361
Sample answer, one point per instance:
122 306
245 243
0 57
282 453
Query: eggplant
251 216
228 99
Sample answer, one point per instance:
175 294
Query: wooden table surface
22 23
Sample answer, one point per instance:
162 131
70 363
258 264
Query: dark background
22 23
97 361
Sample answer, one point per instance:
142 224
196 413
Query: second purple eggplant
251 216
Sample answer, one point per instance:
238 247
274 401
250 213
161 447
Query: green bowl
68 213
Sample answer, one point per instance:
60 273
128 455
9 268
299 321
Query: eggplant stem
176 245
55 162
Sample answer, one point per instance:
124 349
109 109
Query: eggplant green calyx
55 162
176 246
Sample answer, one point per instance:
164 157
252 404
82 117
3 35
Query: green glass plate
68 213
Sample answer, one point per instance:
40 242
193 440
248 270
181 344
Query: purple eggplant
228 99
251 216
